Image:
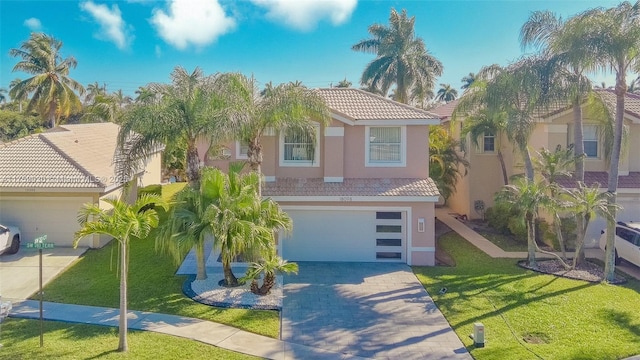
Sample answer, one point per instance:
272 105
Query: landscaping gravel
587 271
209 292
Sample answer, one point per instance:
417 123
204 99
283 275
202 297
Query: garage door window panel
388 242
382 255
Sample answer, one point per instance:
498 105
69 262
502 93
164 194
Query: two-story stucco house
363 192
552 128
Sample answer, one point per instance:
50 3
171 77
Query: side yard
153 286
528 315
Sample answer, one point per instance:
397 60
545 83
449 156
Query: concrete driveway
372 310
19 273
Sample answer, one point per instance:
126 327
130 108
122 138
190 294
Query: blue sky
127 44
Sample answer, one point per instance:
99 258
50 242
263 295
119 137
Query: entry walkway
377 310
208 332
494 251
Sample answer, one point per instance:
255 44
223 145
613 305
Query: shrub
498 217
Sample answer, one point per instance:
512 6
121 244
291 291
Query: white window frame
403 148
239 154
597 140
484 137
570 138
301 163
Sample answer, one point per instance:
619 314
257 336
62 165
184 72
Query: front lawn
559 318
21 340
505 242
153 286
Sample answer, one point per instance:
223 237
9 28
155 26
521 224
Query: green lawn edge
571 319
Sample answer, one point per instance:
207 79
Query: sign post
40 243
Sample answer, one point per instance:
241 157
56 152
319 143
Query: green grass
153 286
575 319
505 242
21 340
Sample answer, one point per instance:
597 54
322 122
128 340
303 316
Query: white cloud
192 22
112 26
305 14
33 24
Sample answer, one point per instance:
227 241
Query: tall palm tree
53 91
281 107
191 107
402 59
344 83
3 97
611 41
467 81
123 223
446 93
94 90
634 86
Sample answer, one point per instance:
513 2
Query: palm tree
3 97
446 93
243 224
344 83
279 108
528 197
53 91
269 267
587 202
467 81
123 223
188 227
484 122
552 165
94 90
611 41
22 97
445 163
144 94
191 107
634 86
401 58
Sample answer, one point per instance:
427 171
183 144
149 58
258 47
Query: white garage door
338 235
36 216
630 212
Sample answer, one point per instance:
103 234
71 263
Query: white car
9 239
627 242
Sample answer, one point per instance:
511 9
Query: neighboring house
554 128
363 193
46 178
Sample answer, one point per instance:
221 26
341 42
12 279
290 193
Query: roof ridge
406 106
94 179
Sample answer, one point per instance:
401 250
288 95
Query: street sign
40 246
40 243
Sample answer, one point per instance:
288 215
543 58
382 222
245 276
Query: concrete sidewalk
222 336
494 251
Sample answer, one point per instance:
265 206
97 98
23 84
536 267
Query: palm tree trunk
528 165
612 186
254 154
578 141
531 241
505 178
229 278
123 346
193 166
558 227
51 116
582 233
401 86
200 262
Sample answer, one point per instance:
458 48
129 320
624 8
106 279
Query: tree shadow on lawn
621 319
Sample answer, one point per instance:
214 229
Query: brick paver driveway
375 310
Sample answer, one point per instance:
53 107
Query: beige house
363 192
555 128
46 178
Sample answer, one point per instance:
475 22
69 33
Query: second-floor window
299 149
590 140
385 146
488 142
242 147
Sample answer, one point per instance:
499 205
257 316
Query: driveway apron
373 310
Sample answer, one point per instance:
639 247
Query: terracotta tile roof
631 181
444 111
351 187
631 102
70 156
357 104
